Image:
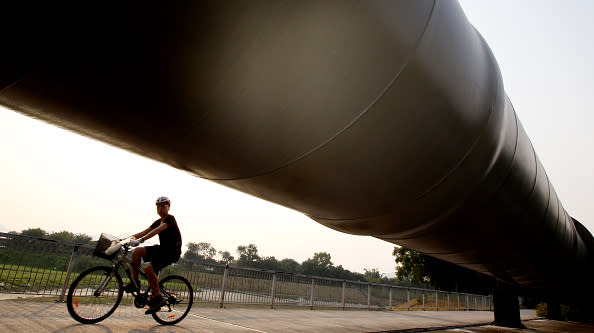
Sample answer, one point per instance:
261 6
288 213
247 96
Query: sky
56 180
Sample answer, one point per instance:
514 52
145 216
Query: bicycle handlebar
125 241
115 246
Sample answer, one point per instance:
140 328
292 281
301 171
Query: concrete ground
26 316
536 325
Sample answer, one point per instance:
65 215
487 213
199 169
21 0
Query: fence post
408 299
368 296
436 301
311 304
390 297
343 294
223 286
423 300
272 293
457 302
467 308
68 272
448 301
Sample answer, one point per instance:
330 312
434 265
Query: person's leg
137 255
151 276
159 261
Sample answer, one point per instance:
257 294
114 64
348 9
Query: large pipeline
381 118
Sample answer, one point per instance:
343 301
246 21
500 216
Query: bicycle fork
101 288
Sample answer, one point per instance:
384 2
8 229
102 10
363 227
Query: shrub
541 309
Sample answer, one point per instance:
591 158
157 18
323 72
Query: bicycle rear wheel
178 293
94 295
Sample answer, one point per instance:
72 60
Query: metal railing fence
38 266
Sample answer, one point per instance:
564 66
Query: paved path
26 316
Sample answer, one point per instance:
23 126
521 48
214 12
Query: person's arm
148 233
142 233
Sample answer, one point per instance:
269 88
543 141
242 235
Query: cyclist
159 256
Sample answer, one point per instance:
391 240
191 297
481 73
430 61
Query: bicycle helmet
163 200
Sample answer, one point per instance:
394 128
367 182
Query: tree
420 268
373 275
411 266
34 232
248 255
320 264
65 236
268 263
83 239
226 257
322 259
289 265
200 251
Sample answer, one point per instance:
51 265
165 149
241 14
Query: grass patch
26 277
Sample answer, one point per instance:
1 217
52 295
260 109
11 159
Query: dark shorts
159 257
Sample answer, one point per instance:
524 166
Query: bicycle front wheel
94 295
178 293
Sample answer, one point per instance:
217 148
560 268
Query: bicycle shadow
163 328
103 329
84 327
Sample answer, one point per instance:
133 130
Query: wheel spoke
179 294
94 295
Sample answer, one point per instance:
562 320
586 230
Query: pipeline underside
377 118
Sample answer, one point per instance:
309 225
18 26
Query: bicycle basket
103 243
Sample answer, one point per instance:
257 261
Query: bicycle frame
126 263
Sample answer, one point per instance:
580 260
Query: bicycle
96 293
